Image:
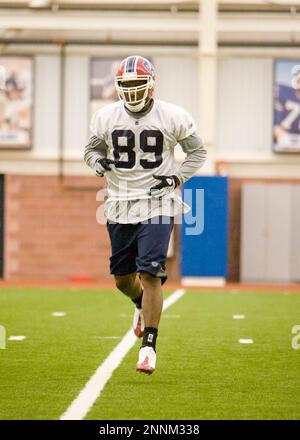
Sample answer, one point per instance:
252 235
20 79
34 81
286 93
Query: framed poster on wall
286 106
102 82
16 102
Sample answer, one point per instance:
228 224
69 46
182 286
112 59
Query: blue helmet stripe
135 63
130 64
126 64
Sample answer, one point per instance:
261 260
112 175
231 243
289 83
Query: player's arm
95 156
195 157
95 152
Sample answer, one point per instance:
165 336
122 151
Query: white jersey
144 146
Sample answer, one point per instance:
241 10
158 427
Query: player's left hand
166 186
103 165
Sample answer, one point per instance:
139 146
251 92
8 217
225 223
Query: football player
132 143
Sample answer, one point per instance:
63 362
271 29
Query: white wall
244 117
244 113
177 83
76 106
174 78
46 117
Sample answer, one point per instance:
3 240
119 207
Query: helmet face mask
139 72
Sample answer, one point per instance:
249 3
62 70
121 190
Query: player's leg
123 267
129 284
153 242
152 299
152 308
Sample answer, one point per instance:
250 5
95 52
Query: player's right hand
166 186
103 165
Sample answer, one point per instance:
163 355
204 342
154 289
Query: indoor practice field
203 370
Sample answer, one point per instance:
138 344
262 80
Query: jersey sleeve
195 157
184 125
96 147
96 126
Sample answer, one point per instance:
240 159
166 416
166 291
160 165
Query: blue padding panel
204 237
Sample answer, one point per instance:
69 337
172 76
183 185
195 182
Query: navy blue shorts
140 247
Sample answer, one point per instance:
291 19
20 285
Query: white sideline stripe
92 390
173 298
172 316
238 316
17 338
108 337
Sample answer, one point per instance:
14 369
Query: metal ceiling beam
157 4
163 22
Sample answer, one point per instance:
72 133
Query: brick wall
51 231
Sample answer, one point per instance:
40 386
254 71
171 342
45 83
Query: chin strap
135 108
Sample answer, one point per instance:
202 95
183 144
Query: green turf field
203 372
